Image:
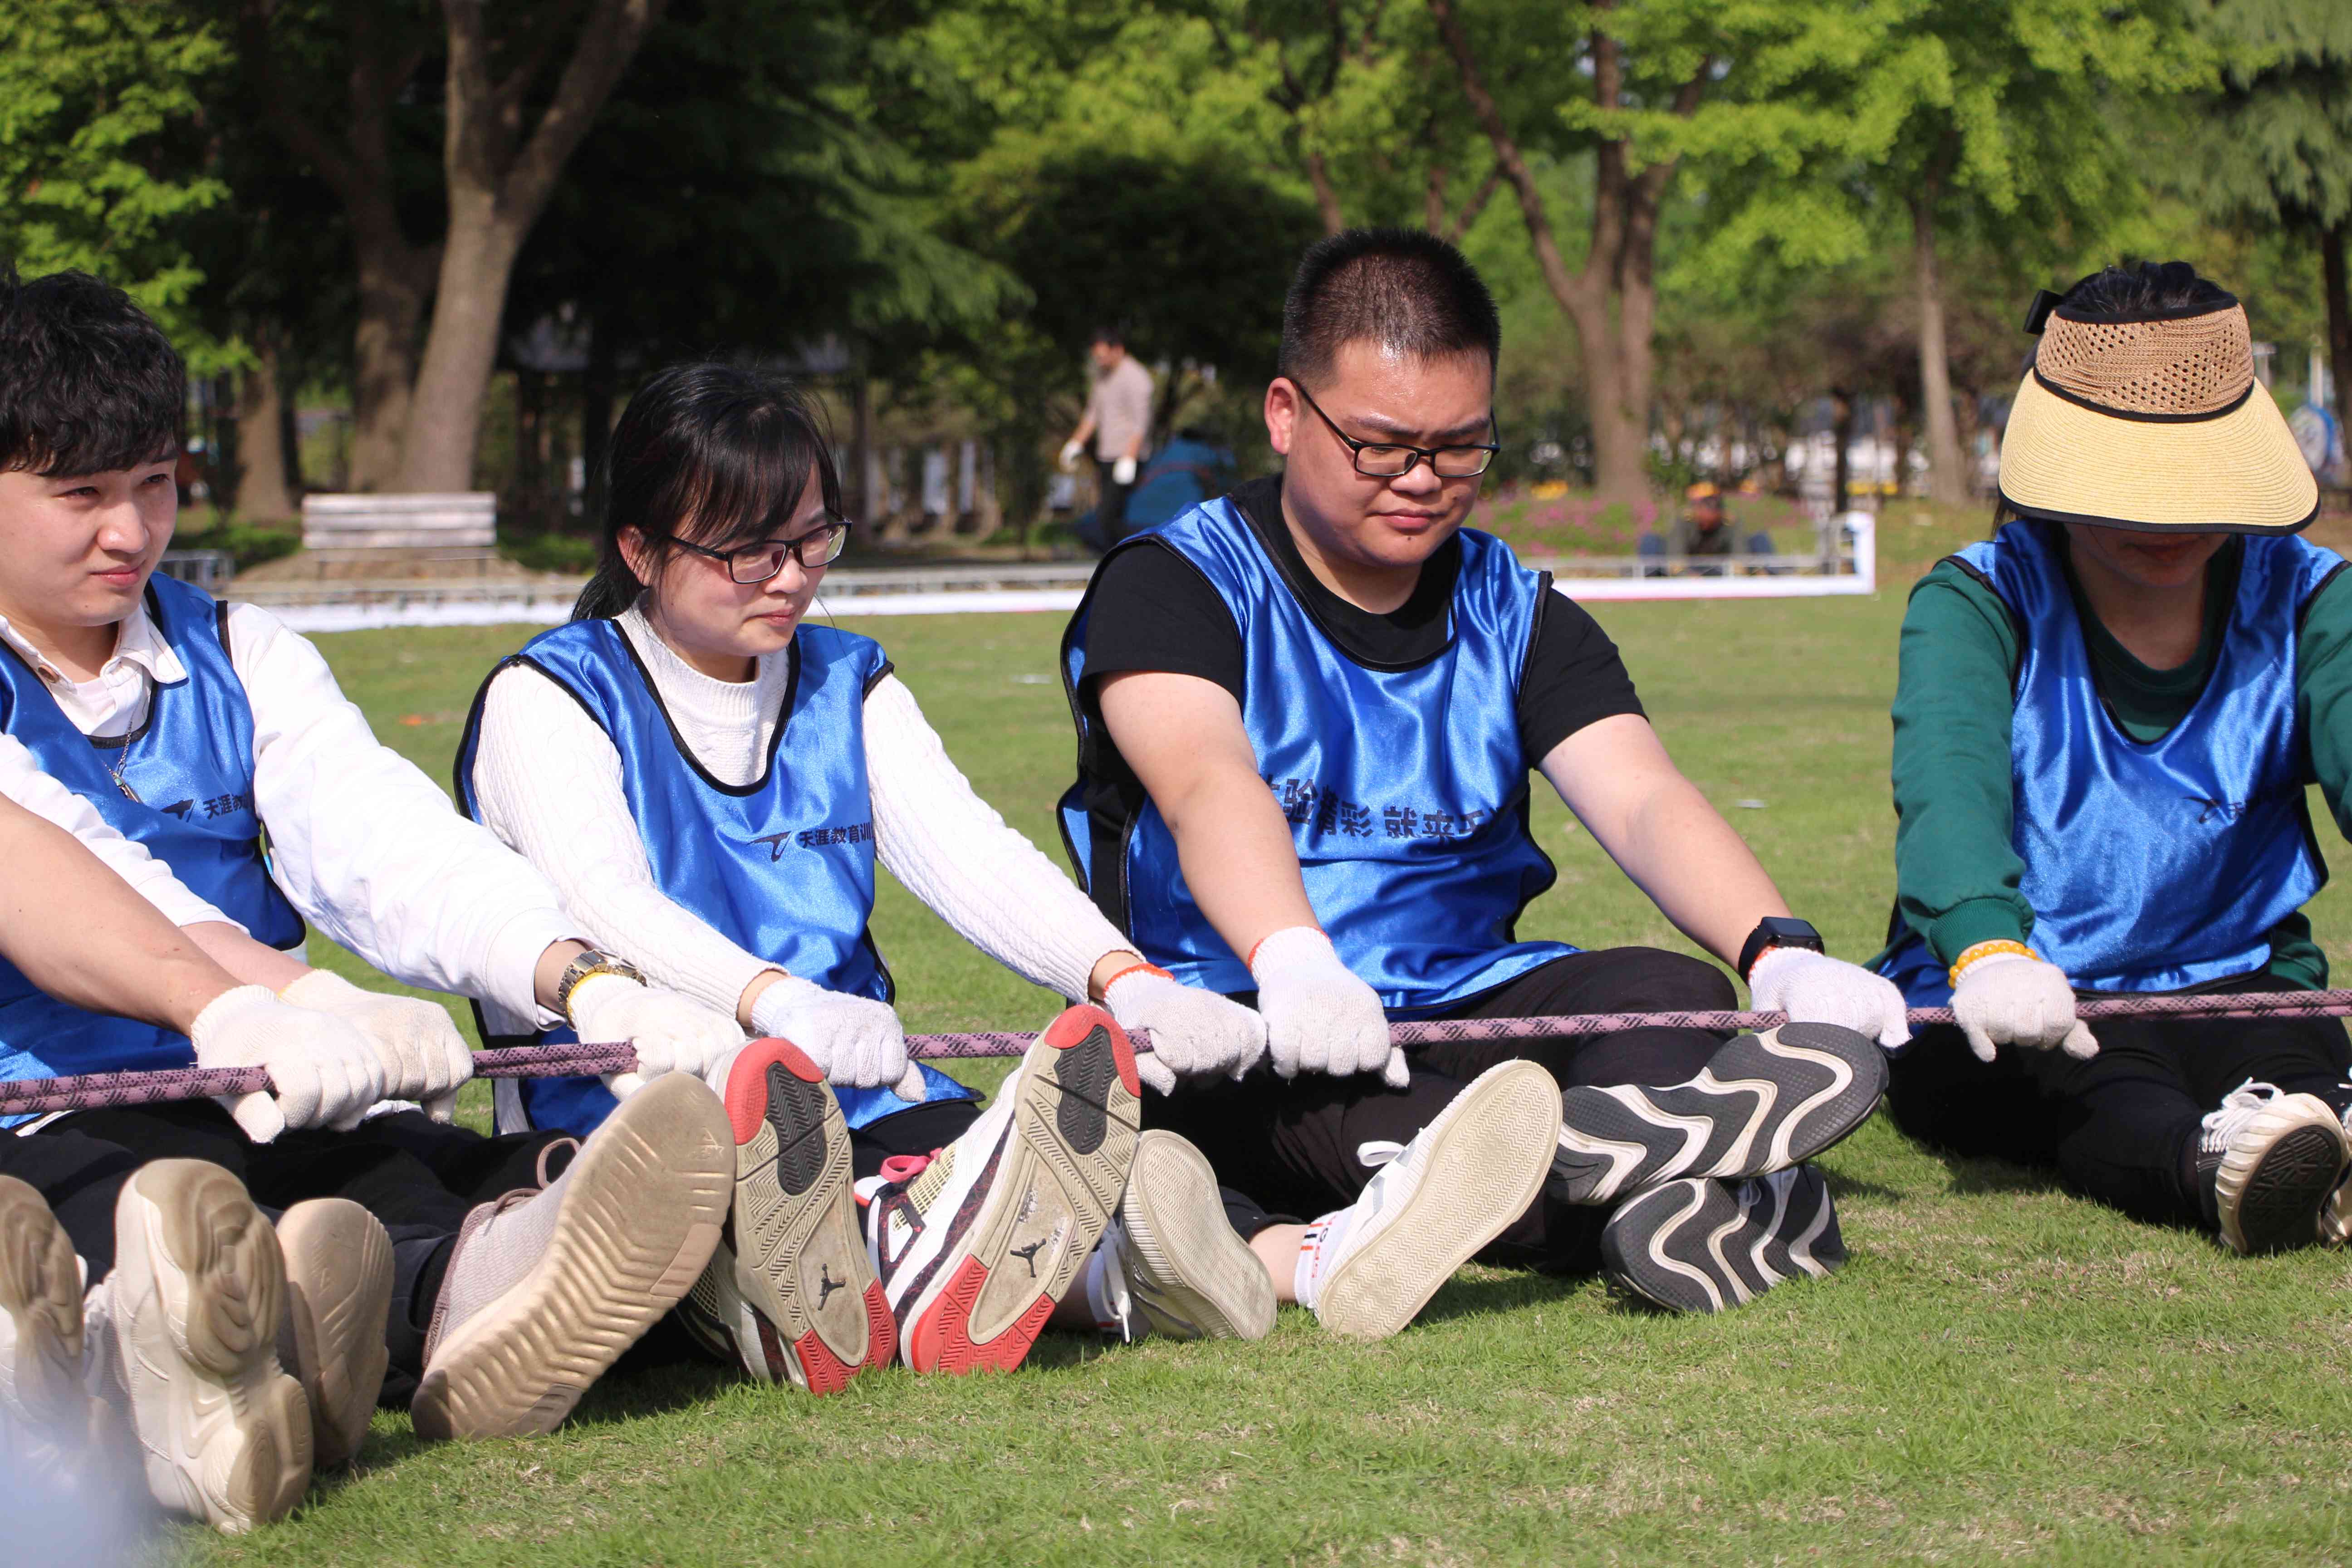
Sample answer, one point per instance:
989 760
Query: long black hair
711 453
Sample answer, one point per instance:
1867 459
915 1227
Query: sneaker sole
1484 1160
1203 1282
338 1292
1762 1103
644 1201
1057 1179
2272 1196
1691 1246
41 1386
199 1290
792 1239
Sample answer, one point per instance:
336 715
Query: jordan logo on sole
826 1285
1028 1254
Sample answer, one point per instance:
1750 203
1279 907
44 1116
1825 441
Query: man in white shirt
193 728
1118 418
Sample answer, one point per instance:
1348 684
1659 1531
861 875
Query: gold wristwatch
590 961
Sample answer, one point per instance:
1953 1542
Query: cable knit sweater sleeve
547 780
952 850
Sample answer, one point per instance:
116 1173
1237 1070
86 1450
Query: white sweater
547 780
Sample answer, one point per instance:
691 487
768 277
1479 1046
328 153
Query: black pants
2123 1126
1110 503
416 1175
1286 1149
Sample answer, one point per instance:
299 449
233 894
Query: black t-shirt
1153 610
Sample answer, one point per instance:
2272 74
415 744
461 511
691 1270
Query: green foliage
566 553
102 155
248 545
2274 147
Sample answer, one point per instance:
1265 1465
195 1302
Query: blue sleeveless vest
1406 789
783 867
186 793
2163 865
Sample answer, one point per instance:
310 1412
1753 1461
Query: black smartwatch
1777 931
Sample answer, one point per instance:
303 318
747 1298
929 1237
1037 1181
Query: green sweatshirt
1956 875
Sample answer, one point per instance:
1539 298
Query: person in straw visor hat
2104 722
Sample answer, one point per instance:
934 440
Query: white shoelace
2238 1107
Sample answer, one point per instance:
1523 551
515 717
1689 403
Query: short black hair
2140 290
1405 289
87 384
1113 335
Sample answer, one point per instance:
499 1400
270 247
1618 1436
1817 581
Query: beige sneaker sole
48 1422
198 1292
643 1205
337 1291
791 1295
1196 1278
1483 1162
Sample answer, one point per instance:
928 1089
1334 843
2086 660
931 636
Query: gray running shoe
1701 1246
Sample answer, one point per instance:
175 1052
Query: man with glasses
1306 717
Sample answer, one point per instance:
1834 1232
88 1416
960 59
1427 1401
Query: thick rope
94 1091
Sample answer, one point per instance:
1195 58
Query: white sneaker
50 1428
197 1293
974 1245
1371 1267
337 1291
2336 1213
2273 1162
547 1288
1171 1263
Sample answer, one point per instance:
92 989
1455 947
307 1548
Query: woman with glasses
710 782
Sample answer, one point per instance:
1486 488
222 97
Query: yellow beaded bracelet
1986 949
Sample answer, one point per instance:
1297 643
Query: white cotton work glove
1123 471
326 1072
1814 988
1318 1017
672 1033
1070 450
425 1057
853 1040
2009 999
1194 1032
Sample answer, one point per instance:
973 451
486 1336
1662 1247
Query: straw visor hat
2153 421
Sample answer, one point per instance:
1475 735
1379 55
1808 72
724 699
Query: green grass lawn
2001 1371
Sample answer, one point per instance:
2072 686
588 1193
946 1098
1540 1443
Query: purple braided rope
94 1091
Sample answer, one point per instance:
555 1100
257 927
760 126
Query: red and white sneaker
790 1295
975 1244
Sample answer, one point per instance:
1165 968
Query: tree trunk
1842 432
1327 195
445 421
1611 301
263 494
2340 317
393 279
1948 483
862 485
597 393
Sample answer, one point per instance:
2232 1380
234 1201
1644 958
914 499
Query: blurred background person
1119 420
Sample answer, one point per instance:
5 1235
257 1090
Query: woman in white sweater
710 782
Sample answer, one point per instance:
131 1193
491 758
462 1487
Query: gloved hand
1814 988
853 1040
325 1071
2009 999
1318 1017
425 1057
1123 471
1070 450
1194 1032
672 1033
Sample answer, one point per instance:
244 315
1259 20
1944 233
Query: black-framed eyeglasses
1391 460
820 546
